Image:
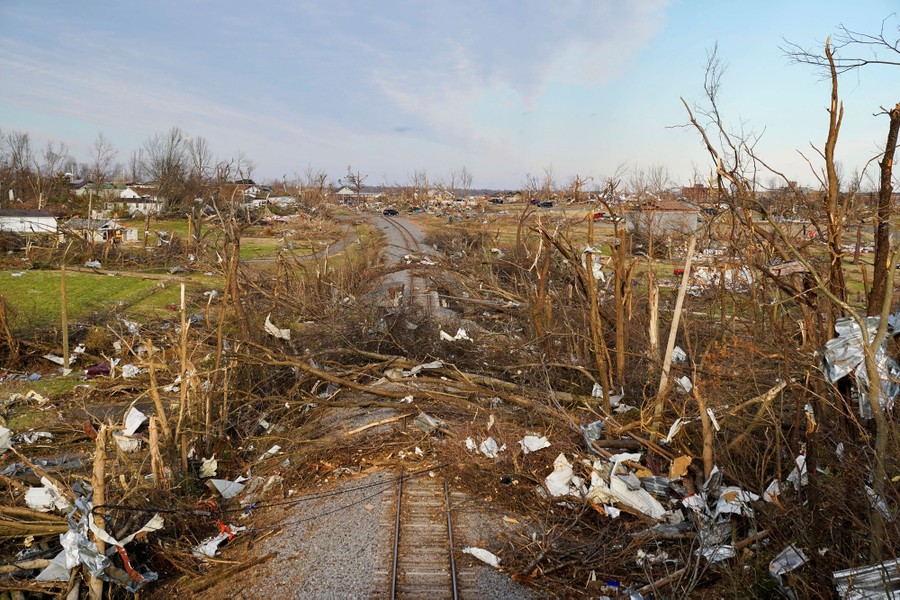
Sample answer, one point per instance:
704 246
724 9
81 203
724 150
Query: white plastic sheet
533 443
460 335
484 556
133 420
490 448
271 329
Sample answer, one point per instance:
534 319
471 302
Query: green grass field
33 299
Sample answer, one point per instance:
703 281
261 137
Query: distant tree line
180 167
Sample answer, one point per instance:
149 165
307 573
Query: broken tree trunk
883 217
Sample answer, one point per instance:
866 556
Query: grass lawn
33 298
177 226
259 247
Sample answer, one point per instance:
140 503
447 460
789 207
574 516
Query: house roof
363 191
144 190
18 212
91 224
141 200
664 206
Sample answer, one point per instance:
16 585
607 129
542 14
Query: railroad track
415 293
423 562
409 240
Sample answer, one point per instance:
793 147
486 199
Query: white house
133 200
347 193
106 190
27 221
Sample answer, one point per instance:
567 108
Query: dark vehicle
496 200
545 204
390 212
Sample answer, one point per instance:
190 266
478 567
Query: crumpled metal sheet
788 560
844 355
874 581
79 549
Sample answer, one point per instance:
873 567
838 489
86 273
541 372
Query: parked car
390 212
496 200
545 204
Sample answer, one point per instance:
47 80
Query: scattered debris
484 556
271 452
490 448
533 443
683 385
126 443
881 580
271 329
5 438
130 371
844 355
133 421
46 498
227 489
427 423
562 481
208 467
210 546
789 559
460 335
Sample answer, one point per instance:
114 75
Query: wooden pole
673 331
64 310
179 432
653 301
154 393
157 467
98 481
708 433
620 281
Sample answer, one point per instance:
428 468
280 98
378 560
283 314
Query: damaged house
27 221
100 230
662 217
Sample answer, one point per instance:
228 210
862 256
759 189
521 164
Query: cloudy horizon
504 89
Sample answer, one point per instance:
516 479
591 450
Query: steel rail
450 537
397 537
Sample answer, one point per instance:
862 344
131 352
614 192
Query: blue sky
503 87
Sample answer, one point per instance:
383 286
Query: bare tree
453 182
736 167
18 144
418 181
354 180
577 184
865 50
244 166
164 163
102 154
313 183
135 169
200 158
548 185
19 160
465 180
48 170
